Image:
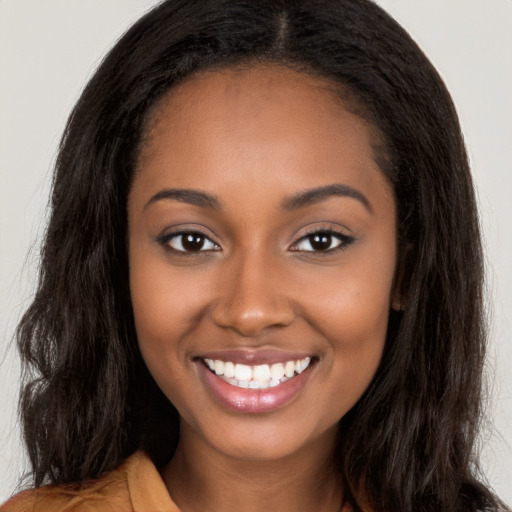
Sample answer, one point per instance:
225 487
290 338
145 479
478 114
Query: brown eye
191 242
322 241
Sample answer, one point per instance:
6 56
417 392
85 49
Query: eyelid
164 240
168 235
345 239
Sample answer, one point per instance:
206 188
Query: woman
246 275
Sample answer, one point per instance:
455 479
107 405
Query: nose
251 297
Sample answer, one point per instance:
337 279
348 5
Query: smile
261 376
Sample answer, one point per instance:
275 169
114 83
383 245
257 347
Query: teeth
302 365
277 371
229 369
243 372
261 372
289 369
261 376
258 384
219 367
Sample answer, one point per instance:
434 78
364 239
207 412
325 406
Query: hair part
89 400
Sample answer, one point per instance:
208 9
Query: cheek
361 314
162 316
357 329
166 301
163 311
351 310
354 299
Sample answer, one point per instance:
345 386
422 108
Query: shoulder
65 499
113 492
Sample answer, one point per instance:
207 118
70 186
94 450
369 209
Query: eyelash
165 241
344 241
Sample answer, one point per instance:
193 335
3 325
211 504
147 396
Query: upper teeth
257 377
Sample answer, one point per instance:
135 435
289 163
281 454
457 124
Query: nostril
249 315
250 294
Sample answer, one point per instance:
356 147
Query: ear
398 293
397 298
397 303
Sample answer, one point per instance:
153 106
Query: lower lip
252 400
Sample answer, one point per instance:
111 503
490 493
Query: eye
189 242
322 241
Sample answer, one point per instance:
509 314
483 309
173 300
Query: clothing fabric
136 486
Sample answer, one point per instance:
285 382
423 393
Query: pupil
192 242
320 241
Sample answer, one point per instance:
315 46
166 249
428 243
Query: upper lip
254 357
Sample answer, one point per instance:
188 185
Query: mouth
262 376
263 386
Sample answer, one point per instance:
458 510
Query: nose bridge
251 297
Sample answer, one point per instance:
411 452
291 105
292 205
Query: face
262 251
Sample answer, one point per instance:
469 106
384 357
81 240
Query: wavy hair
89 401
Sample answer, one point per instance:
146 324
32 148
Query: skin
254 138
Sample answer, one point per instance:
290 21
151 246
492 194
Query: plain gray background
48 49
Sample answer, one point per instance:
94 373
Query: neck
299 482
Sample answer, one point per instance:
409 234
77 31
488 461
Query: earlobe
398 302
398 297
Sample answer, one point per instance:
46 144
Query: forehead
239 84
247 123
237 93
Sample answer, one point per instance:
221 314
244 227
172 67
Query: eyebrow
296 202
187 195
316 195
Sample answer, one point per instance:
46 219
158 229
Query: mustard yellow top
136 486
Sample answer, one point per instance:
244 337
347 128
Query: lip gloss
252 400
